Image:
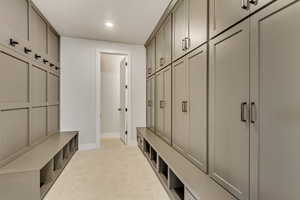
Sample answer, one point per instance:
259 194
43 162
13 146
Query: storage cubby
176 186
46 177
66 152
153 157
163 169
147 147
58 161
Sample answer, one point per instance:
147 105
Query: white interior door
123 101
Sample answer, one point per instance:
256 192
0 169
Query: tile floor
113 172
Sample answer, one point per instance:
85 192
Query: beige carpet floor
113 172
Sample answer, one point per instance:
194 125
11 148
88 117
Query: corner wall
78 86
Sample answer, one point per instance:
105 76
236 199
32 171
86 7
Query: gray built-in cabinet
237 103
163 104
151 58
29 79
189 26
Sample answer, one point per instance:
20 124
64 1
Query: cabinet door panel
179 29
38 86
153 103
38 124
197 88
160 45
180 117
14 18
229 88
38 32
168 41
167 104
53 89
152 55
275 38
159 125
53 119
14 75
53 45
148 103
224 14
197 22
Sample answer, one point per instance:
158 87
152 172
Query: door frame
99 52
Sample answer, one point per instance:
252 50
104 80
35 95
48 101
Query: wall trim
85 147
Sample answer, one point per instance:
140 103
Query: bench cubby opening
176 186
147 147
58 161
163 169
46 177
153 157
66 152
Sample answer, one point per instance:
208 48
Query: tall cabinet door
153 103
229 97
159 125
167 105
197 93
148 103
275 133
180 106
179 29
197 17
224 14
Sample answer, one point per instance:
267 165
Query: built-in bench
181 179
31 175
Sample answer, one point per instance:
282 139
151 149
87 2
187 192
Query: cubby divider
176 186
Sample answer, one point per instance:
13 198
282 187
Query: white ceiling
134 19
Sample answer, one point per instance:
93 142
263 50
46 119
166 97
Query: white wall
78 86
110 94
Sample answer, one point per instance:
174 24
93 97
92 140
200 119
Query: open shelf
147 148
46 177
176 186
66 152
163 170
153 157
58 161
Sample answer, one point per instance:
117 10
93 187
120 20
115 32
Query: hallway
113 172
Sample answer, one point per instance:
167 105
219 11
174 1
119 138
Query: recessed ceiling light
109 24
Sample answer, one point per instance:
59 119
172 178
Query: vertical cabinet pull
253 113
184 106
244 112
161 62
162 104
187 43
254 2
149 103
245 4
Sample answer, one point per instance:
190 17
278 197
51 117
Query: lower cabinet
163 105
190 106
151 103
229 101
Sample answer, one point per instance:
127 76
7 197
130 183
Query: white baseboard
84 147
110 135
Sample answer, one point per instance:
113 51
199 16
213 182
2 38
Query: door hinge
126 132
126 109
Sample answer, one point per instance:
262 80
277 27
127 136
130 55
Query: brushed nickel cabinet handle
245 4
184 106
254 2
162 104
244 112
187 43
183 45
253 113
161 62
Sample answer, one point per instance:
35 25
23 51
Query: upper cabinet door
14 21
229 97
180 106
197 16
164 44
275 68
224 14
38 32
152 56
179 29
197 93
53 45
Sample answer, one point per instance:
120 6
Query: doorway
114 96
